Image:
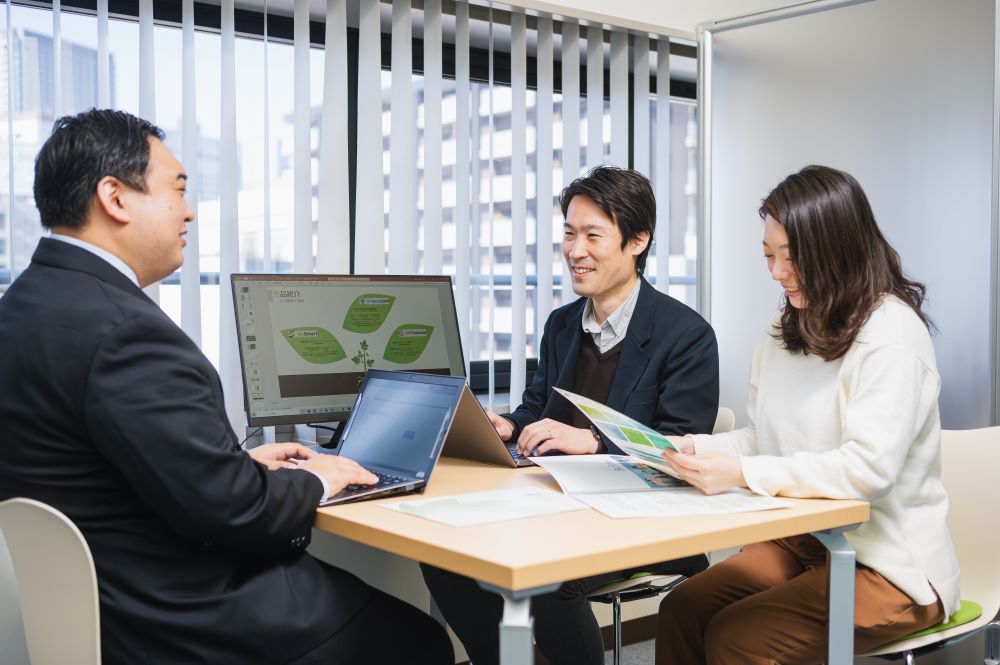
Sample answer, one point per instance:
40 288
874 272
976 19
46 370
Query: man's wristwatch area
601 448
513 423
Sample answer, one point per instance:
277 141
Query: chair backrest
56 582
725 421
970 461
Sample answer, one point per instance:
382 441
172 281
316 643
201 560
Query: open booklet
631 436
577 474
617 485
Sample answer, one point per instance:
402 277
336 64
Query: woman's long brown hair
843 263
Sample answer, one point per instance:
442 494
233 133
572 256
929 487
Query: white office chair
646 585
725 421
56 582
969 461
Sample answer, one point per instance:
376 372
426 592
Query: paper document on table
680 503
605 473
491 506
628 434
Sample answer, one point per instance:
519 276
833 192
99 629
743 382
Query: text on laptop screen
398 423
306 340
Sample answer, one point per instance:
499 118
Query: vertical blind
544 149
452 167
8 52
191 270
595 95
518 199
661 184
332 252
491 346
266 258
432 164
303 256
229 238
103 56
619 97
463 186
402 192
369 236
570 121
57 82
147 85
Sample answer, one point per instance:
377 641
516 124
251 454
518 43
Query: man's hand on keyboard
280 455
338 471
503 426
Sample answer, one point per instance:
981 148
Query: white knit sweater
865 426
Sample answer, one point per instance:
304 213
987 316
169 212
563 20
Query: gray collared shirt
613 330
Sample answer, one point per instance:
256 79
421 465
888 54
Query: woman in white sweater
842 404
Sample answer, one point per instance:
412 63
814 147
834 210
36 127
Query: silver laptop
473 437
397 429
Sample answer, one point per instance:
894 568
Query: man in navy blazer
667 376
622 343
112 415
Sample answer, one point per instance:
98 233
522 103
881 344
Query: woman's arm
890 395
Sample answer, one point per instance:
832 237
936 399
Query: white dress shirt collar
116 262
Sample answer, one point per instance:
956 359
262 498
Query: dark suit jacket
112 415
667 376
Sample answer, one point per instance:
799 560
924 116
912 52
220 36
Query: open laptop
397 429
473 437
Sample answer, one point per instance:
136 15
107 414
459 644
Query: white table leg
516 644
840 596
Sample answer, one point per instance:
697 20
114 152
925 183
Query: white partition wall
898 93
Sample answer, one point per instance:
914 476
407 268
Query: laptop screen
400 421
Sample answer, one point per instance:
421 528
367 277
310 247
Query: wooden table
523 558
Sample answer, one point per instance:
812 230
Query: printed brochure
631 436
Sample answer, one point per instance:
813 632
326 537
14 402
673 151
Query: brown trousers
767 606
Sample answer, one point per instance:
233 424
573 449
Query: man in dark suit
622 343
112 415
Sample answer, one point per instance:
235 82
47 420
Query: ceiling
677 18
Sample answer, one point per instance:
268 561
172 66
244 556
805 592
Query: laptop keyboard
384 480
516 455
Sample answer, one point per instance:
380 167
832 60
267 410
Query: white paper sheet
492 506
678 503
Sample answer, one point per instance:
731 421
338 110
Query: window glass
267 245
683 246
263 248
682 238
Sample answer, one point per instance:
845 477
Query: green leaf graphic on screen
315 345
367 313
407 342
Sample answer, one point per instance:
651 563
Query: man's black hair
625 196
83 149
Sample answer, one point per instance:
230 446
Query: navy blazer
111 414
667 376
